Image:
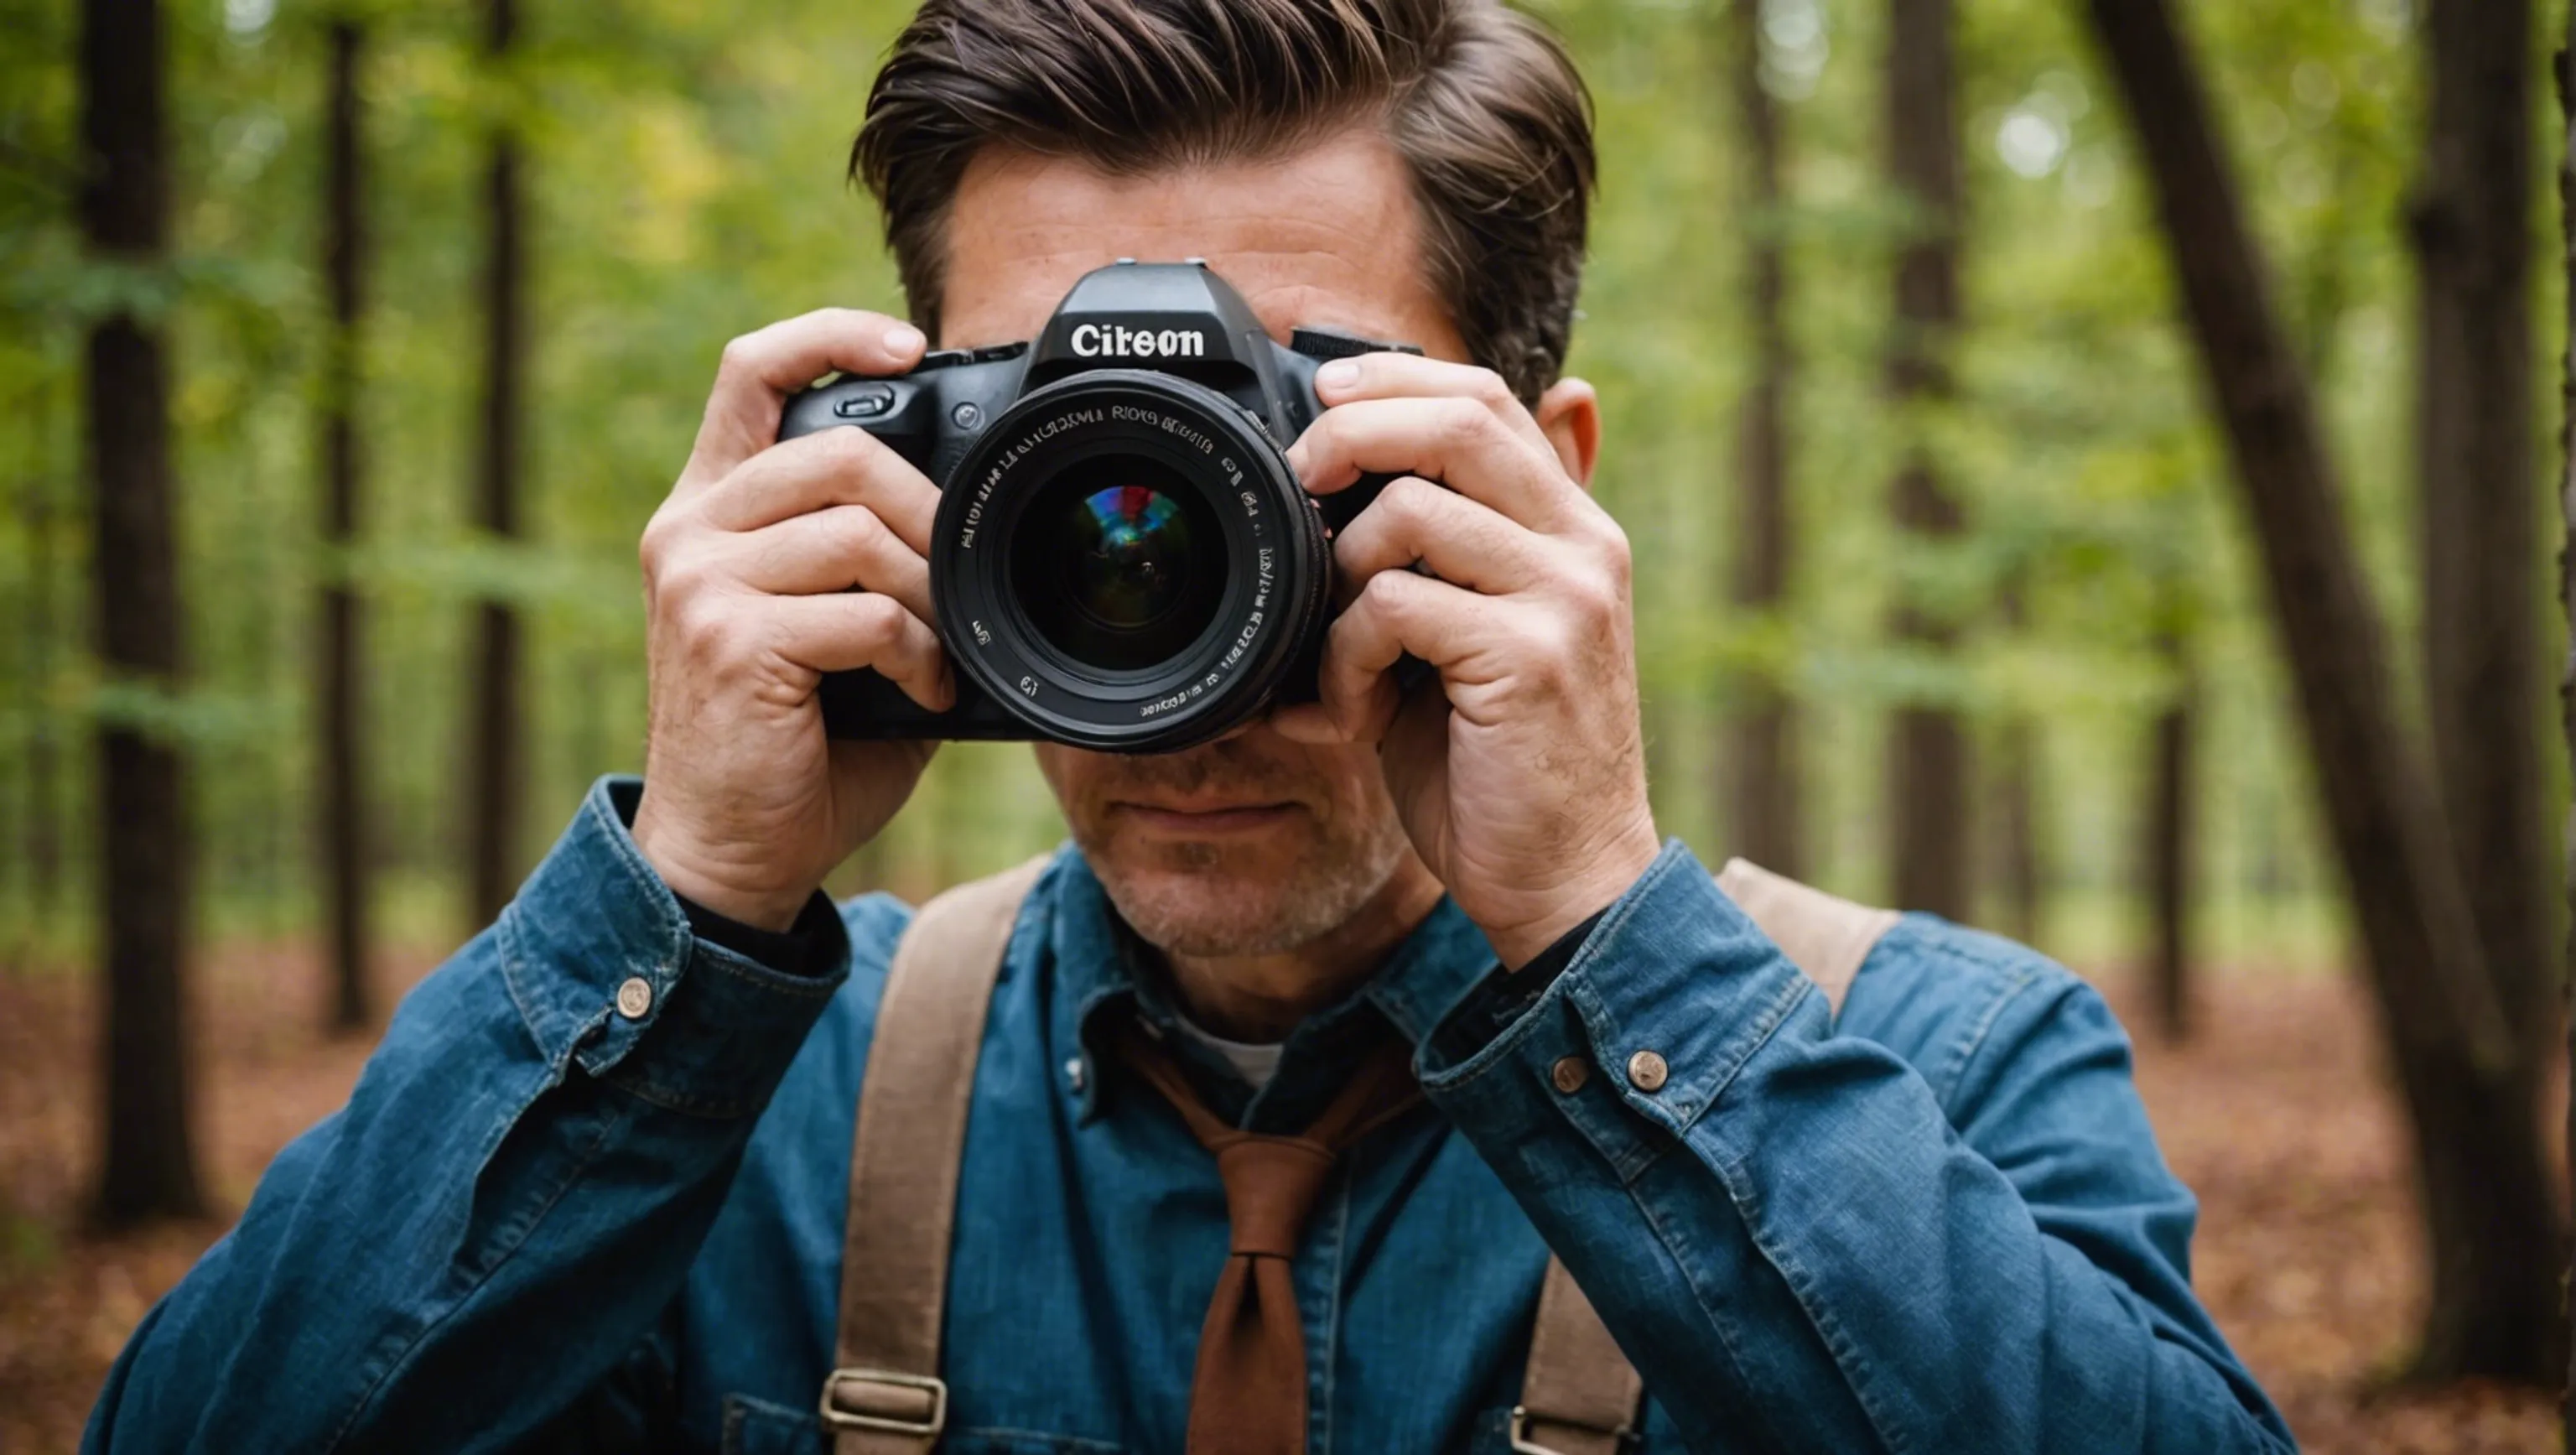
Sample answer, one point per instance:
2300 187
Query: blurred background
1949 593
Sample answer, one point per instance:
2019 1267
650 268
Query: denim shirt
564 1211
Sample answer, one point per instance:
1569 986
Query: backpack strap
885 1396
1580 1394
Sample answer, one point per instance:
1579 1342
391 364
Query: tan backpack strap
1825 936
1580 1395
886 1397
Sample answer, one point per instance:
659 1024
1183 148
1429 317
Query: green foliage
686 164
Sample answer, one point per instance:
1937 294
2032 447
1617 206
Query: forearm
511 1197
1789 1236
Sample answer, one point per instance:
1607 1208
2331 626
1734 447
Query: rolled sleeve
1791 1230
511 1197
1672 970
596 948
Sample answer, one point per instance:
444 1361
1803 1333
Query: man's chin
1225 896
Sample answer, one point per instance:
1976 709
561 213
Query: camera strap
1579 1396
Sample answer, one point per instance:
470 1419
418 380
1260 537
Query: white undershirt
1254 1063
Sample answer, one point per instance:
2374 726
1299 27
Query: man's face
1251 844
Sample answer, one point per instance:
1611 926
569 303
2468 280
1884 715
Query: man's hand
747 575
1522 783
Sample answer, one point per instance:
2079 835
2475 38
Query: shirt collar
1095 975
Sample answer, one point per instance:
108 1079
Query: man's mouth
1204 818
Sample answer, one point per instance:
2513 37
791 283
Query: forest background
681 166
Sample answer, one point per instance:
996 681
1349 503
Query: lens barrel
1124 561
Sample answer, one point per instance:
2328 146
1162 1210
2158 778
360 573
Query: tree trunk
2567 578
496 776
2479 486
344 839
2477 1141
2168 843
1761 788
148 1167
1931 840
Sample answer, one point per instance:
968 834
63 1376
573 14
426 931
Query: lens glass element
1118 563
1133 554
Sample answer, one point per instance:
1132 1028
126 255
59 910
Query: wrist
1610 874
689 870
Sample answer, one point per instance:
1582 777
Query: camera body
1122 558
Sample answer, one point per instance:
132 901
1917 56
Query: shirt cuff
606 971
1505 995
1663 1002
811 946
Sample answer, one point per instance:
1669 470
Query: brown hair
1482 104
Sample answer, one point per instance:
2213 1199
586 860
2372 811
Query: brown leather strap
885 1396
1822 934
1580 1394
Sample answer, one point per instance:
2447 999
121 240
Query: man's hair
1483 105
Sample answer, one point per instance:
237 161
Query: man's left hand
1522 782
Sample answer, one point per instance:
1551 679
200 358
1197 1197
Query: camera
1122 558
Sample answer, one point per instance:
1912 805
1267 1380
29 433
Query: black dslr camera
1122 558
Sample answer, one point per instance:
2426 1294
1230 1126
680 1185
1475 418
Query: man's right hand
748 570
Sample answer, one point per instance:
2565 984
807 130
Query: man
589 1192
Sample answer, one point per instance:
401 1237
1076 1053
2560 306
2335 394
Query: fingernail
1339 374
903 338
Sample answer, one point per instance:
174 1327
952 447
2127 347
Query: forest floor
2278 1116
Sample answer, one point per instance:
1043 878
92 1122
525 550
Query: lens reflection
1131 555
1119 563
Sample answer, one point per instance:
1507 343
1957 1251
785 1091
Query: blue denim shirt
1940 1225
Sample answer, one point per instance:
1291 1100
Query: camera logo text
1093 340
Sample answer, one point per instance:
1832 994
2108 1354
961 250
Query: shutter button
634 998
1647 1071
867 401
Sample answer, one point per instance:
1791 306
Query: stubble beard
1214 898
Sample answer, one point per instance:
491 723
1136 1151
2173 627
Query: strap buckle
1523 1445
877 1399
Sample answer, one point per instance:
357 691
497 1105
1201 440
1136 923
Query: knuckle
678 575
849 453
1462 421
1409 498
857 529
1559 643
741 353
1489 390
653 547
706 633
1597 599
1617 557
882 625
1384 595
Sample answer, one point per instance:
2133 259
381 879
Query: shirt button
1568 1073
634 998
1646 1071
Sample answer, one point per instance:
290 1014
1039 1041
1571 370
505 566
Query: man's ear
1569 413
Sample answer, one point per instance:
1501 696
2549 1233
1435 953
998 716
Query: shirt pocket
757 1427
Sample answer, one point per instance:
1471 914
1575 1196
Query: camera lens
1123 560
1119 563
